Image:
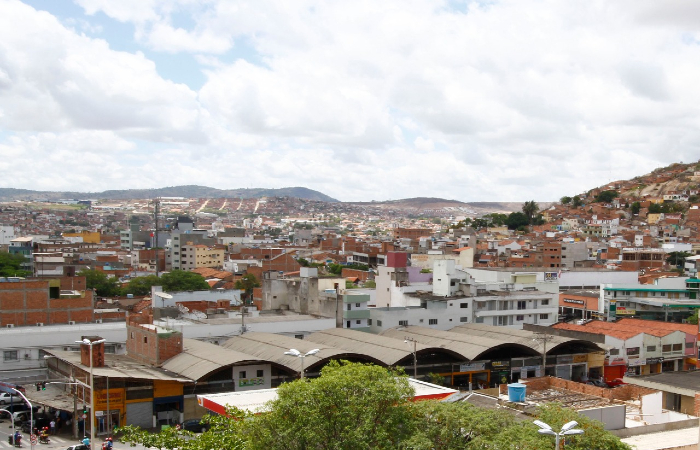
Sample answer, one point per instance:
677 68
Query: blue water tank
516 392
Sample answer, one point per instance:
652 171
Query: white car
6 398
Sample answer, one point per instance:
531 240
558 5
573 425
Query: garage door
140 414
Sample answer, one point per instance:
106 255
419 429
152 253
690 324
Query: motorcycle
44 439
17 442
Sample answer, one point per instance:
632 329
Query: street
59 441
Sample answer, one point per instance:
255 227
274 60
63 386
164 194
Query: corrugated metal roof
509 335
199 359
386 349
271 347
120 366
467 346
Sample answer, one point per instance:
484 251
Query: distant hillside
430 204
192 191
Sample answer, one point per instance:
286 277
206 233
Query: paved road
58 442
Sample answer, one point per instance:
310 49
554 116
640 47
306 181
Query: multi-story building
356 312
194 256
668 299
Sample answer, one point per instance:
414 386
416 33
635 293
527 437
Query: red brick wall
624 392
28 303
361 274
148 346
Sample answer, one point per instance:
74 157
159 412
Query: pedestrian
52 424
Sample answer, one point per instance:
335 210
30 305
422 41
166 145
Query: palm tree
530 209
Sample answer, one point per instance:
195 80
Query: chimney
98 352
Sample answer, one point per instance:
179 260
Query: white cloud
507 100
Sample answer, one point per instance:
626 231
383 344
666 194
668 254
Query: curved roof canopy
198 359
467 346
271 347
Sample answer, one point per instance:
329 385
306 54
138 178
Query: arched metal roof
198 359
467 346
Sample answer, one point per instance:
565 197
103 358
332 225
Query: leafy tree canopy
141 285
104 286
606 196
181 280
530 209
565 200
10 265
676 258
576 202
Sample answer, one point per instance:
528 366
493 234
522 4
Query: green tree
517 220
104 286
676 258
303 262
565 200
635 207
350 406
693 320
576 202
182 280
530 209
247 283
606 196
335 269
655 208
142 285
370 284
10 265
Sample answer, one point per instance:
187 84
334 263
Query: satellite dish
163 295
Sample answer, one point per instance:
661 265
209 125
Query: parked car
6 398
616 382
195 425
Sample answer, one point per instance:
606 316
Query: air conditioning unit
71 322
40 324
10 325
98 321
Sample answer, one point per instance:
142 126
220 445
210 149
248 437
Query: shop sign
571 300
658 360
625 311
498 365
565 359
580 358
615 361
636 362
472 366
551 276
243 382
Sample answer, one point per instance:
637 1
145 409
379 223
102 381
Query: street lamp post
90 343
31 417
566 430
298 354
415 356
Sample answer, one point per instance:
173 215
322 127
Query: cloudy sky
362 100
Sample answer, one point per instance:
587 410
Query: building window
689 344
544 316
261 373
633 351
432 321
379 323
614 351
298 336
369 321
241 374
464 305
403 323
666 348
464 319
145 339
349 307
10 355
544 302
358 322
677 347
522 304
357 305
520 318
651 348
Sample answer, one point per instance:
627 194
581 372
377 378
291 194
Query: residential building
668 299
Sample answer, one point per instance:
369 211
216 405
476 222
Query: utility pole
415 356
543 338
156 214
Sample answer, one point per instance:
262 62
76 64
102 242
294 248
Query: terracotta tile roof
627 328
